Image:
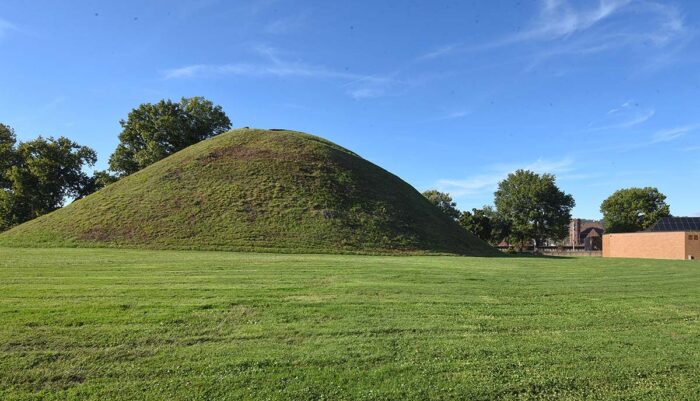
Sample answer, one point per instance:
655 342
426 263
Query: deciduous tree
44 173
443 201
153 131
477 223
486 224
535 207
8 141
633 209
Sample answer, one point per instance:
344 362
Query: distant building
668 238
585 233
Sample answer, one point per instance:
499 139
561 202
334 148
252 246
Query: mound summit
256 190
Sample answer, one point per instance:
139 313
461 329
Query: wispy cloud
568 29
623 107
622 117
488 182
653 139
438 52
358 86
450 115
6 27
671 134
287 24
559 19
369 87
455 114
256 69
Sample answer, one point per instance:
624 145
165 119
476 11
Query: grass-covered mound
256 190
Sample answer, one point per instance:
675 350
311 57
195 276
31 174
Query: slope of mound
256 190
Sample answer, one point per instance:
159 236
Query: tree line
531 209
41 175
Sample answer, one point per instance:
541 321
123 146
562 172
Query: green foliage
535 207
8 140
443 201
99 180
486 224
633 209
477 223
42 175
118 324
154 131
256 190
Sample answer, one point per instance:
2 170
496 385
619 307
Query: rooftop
676 224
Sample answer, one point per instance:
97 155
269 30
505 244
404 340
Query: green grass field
144 325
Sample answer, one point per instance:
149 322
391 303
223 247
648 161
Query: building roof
592 232
676 224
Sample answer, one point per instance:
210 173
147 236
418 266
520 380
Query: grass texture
110 324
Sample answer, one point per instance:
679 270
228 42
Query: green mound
256 190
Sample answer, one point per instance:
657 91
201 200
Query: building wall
692 247
648 245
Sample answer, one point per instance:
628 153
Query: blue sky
450 95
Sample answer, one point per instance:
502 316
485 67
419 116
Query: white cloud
558 18
624 106
456 114
5 27
366 93
622 118
488 182
259 70
671 134
451 115
274 65
567 28
287 24
438 52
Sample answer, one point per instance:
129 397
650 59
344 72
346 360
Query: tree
443 201
535 207
486 224
7 154
44 173
633 209
477 223
154 131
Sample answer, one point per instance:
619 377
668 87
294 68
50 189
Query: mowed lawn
162 325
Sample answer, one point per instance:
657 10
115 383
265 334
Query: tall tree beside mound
536 208
7 154
486 224
154 131
443 201
633 209
40 176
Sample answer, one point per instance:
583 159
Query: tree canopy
486 224
535 207
43 173
443 201
154 131
633 209
7 154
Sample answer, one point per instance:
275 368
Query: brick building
585 233
669 238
